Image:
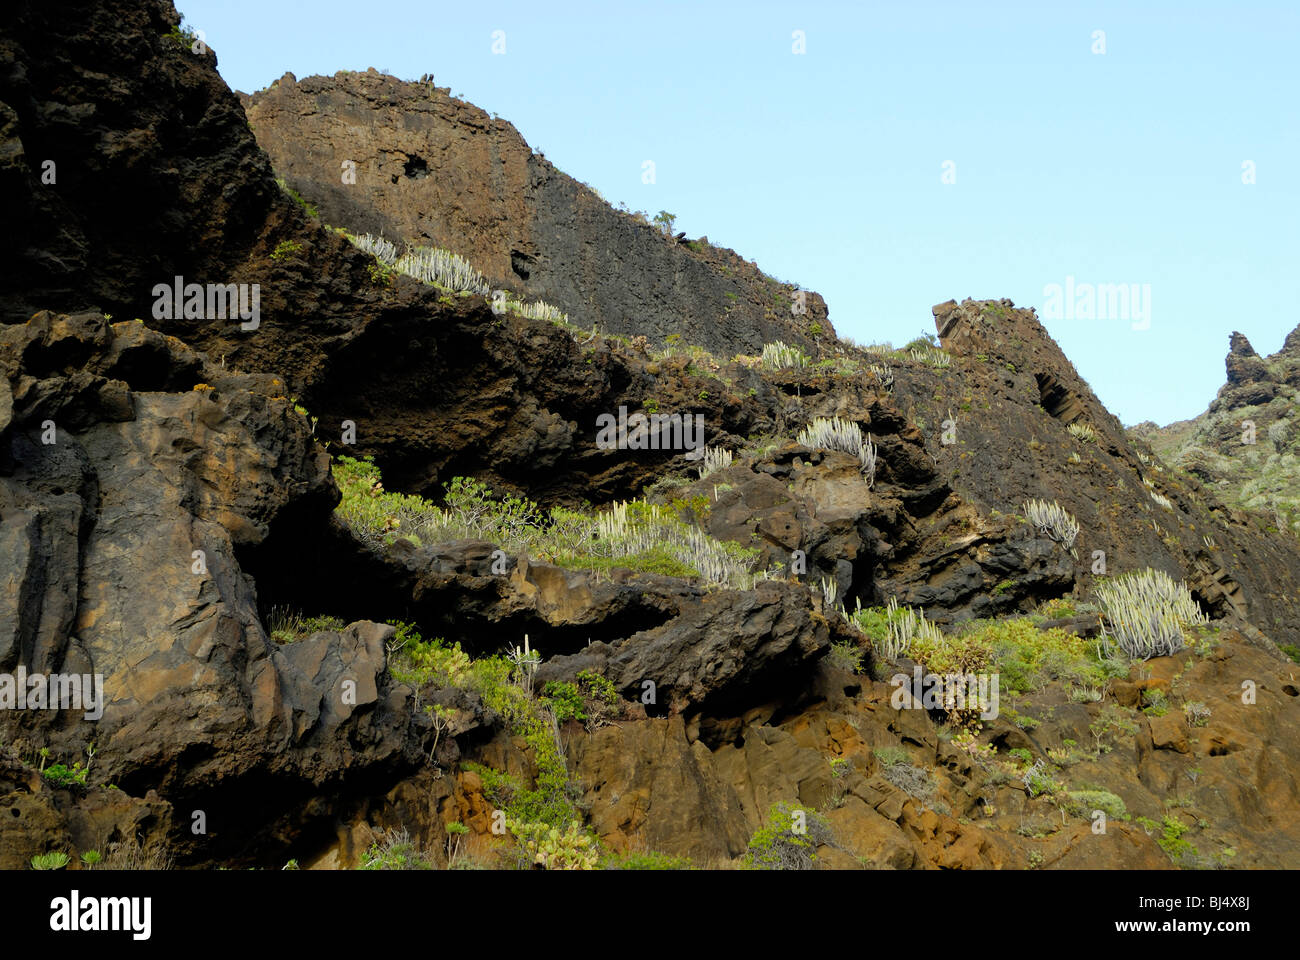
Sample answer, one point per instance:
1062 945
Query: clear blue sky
826 167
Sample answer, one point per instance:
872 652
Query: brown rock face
42 819
128 488
154 500
435 170
119 183
1012 394
1243 363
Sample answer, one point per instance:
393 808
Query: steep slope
1246 445
435 170
1011 397
710 696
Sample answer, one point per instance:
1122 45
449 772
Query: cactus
1083 432
883 374
939 359
435 265
619 536
1052 520
545 846
540 310
830 590
714 459
1144 614
904 624
843 435
780 355
382 250
525 661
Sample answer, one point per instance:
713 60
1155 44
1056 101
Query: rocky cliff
1245 445
412 163
313 558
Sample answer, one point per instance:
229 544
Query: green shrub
565 702
1038 781
395 850
286 249
1025 657
1171 838
846 656
422 662
597 687
888 756
297 198
635 535
1156 702
788 840
646 860
498 788
1081 803
419 662
60 775
1110 725
285 625
181 37
664 221
50 861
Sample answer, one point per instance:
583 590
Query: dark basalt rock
479 191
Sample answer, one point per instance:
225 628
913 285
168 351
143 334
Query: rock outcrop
1011 397
132 475
1246 445
431 169
166 482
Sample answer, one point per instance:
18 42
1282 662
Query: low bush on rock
646 860
1082 803
635 535
788 840
395 850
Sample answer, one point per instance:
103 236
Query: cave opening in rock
1056 400
522 264
1214 609
415 168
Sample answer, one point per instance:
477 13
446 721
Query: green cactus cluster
1144 614
782 356
554 849
844 435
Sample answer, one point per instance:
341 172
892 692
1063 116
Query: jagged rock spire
1291 346
1243 363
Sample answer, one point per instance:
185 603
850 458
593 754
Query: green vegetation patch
788 840
635 535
